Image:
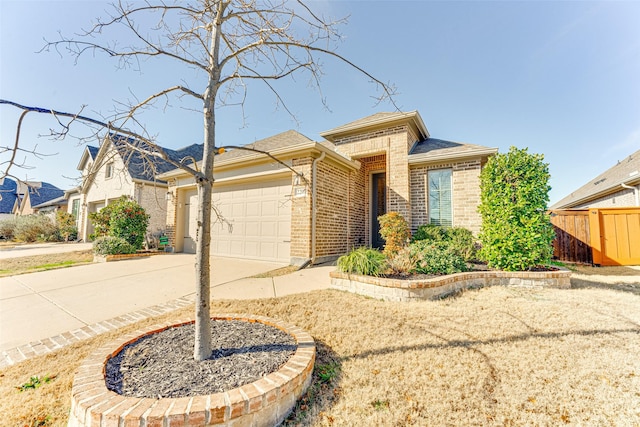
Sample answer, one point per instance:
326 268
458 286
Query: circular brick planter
265 402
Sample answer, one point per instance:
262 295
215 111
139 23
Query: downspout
635 191
314 186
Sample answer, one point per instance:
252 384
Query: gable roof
380 120
90 152
39 194
433 150
626 172
8 195
138 165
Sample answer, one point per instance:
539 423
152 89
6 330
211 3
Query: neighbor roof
8 195
138 165
626 171
58 201
44 193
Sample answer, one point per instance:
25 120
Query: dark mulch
162 364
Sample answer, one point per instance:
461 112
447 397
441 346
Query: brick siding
465 193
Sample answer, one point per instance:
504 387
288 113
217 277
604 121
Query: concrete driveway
40 305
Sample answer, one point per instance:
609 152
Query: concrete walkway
39 305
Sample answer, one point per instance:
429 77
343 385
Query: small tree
66 225
516 231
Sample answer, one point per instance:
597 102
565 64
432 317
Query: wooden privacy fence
603 236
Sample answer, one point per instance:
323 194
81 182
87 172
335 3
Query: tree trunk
202 346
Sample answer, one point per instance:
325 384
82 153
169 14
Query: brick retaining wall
437 287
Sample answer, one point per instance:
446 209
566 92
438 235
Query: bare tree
230 43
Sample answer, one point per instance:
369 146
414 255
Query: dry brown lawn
30 264
494 356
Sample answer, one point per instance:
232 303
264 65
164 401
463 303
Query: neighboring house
8 197
114 170
617 187
382 163
52 206
31 195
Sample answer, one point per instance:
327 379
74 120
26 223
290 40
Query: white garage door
260 218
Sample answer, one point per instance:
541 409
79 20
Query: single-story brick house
363 169
113 170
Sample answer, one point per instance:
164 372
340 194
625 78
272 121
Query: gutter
635 191
314 173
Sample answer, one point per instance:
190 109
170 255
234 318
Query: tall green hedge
516 231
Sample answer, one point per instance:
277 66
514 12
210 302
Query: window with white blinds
439 196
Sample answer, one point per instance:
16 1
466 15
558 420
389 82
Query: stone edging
437 287
265 402
110 258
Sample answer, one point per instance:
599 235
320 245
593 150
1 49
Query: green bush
110 245
516 231
458 239
430 232
395 232
123 218
7 228
35 228
66 225
365 261
436 258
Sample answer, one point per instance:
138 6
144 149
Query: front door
378 207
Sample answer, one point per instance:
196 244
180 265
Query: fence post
595 236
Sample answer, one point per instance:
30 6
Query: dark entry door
378 207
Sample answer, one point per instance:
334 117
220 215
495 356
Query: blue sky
561 78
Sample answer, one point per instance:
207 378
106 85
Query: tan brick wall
394 144
172 215
465 188
153 199
333 225
301 212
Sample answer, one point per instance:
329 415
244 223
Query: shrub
458 239
463 243
403 262
430 232
129 221
436 258
66 225
365 261
100 222
110 245
123 218
34 228
7 228
516 231
395 231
